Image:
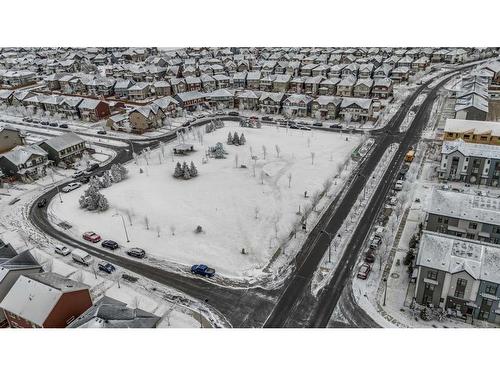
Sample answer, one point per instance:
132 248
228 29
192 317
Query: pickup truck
202 270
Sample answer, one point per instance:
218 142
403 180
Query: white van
82 257
399 185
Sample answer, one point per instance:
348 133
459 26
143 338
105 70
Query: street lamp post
385 291
330 236
59 193
124 226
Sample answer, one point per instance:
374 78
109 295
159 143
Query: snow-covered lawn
223 199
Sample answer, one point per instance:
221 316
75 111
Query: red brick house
93 110
45 300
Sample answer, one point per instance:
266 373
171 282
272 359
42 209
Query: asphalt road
296 306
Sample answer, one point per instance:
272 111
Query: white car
78 174
70 187
399 185
62 250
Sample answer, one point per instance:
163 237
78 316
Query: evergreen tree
236 139
116 173
123 171
107 181
242 139
192 170
178 172
187 174
229 138
102 203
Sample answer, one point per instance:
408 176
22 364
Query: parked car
42 203
335 126
84 179
78 174
370 256
233 113
54 124
304 128
71 186
106 267
102 132
202 270
136 252
364 271
92 167
219 113
64 126
62 250
267 118
82 257
374 244
110 244
318 124
91 236
399 185
44 122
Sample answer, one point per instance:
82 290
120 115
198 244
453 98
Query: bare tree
277 148
158 231
289 179
264 151
262 175
313 154
236 160
172 229
146 222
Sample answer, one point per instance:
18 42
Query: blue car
106 267
202 270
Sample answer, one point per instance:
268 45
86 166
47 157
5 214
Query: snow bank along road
291 305
296 306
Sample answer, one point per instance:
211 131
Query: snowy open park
252 208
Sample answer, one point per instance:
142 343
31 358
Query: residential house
248 100
383 71
271 102
45 300
486 132
162 88
281 83
111 313
178 85
470 162
193 83
363 88
69 107
146 117
168 105
400 74
221 98
27 163
311 84
382 88
297 84
190 100
346 86
223 81
471 107
93 110
458 275
6 97
10 269
253 80
66 148
463 215
10 137
336 70
297 105
366 70
240 80
329 86
420 64
325 107
208 83
356 109
139 91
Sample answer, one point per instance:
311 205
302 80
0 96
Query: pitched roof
472 126
20 154
110 313
64 141
471 149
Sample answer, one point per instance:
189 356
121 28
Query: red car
364 271
91 236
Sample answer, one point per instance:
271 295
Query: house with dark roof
111 313
64 148
10 270
27 163
45 300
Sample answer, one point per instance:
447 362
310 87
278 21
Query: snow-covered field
235 209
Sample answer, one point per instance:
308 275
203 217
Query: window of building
472 225
432 275
491 289
460 288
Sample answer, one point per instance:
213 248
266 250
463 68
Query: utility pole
385 291
330 236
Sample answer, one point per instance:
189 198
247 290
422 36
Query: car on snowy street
364 271
106 267
110 244
370 256
202 270
136 252
71 186
62 250
78 174
42 203
102 132
91 236
92 167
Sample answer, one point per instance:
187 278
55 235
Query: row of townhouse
142 118
87 109
322 107
30 162
459 275
471 131
16 78
32 298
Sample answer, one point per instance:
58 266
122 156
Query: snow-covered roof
110 313
325 100
368 82
249 94
453 254
190 95
385 82
165 101
298 98
471 100
464 206
472 126
221 93
362 103
88 103
349 80
20 154
34 296
64 141
471 149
